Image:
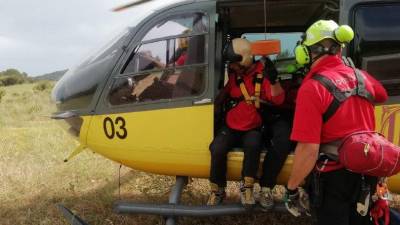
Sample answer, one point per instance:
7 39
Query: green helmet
323 29
320 30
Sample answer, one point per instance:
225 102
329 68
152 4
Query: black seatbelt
340 96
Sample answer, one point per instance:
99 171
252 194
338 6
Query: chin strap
322 50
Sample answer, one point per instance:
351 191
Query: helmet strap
230 55
321 50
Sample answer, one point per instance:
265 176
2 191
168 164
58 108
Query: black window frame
393 83
129 74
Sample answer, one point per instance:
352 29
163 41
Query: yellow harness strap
257 90
245 94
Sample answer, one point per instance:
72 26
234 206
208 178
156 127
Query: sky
39 37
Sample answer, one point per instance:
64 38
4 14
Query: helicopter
134 103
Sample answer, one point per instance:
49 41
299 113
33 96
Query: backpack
364 152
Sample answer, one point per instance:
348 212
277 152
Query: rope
265 19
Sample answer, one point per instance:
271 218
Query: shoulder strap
338 96
257 89
341 96
361 89
243 89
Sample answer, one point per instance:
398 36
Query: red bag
369 153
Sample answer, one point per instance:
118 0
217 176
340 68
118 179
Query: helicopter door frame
206 97
348 9
376 49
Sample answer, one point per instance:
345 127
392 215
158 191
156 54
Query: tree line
13 76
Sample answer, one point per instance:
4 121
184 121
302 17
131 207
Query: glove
297 202
270 71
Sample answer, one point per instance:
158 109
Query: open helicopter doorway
284 21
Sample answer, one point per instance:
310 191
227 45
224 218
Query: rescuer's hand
297 202
270 71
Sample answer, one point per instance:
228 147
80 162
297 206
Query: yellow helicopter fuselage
176 141
147 101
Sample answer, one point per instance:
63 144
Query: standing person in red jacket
245 89
337 195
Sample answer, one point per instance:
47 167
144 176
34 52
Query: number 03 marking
117 128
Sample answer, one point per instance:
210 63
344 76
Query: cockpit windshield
76 89
107 48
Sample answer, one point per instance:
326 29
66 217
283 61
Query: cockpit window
168 53
170 62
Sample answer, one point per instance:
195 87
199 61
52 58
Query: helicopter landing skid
173 209
70 216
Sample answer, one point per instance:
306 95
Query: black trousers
336 202
223 142
277 128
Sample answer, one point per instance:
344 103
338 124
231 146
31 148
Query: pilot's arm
156 62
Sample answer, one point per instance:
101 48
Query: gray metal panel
282 15
208 7
346 17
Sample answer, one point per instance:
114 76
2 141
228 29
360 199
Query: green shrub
2 94
43 86
11 80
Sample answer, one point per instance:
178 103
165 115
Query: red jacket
245 116
313 99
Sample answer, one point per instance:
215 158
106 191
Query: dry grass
34 177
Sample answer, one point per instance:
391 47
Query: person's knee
252 146
218 149
281 134
252 141
281 129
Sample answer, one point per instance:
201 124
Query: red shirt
354 114
245 116
181 60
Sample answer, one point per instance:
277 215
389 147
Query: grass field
34 178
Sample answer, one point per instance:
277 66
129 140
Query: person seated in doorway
245 89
